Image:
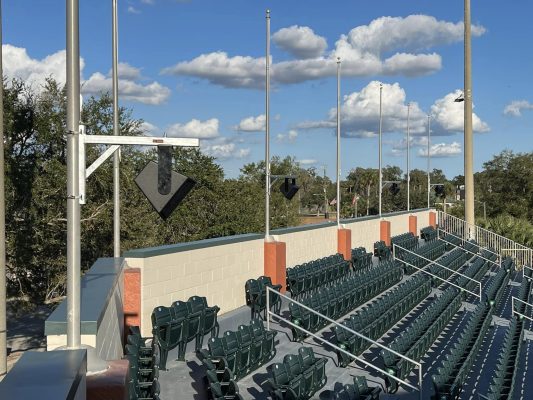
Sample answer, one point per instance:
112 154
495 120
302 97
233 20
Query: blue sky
196 68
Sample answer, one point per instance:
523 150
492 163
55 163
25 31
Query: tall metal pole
408 156
429 155
267 129
3 322
380 142
468 135
338 142
116 132
73 190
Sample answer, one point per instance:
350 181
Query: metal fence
503 246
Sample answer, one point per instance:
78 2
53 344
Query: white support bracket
114 143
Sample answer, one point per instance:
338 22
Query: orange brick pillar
275 263
132 298
344 243
413 225
433 219
384 232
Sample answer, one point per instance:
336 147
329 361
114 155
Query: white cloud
252 124
195 128
448 116
360 114
133 10
149 129
18 64
307 161
218 68
441 150
288 137
153 93
514 108
148 2
224 148
386 46
300 41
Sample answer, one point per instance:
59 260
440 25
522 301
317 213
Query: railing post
268 307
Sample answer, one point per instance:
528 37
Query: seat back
292 363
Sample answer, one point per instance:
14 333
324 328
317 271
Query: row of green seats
358 390
182 322
451 241
456 366
418 336
476 271
382 251
493 290
143 373
343 296
378 317
240 352
299 377
406 240
430 251
256 296
503 383
361 259
454 260
309 276
428 233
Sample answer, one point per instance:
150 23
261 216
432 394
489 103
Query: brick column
275 264
413 225
344 243
132 298
384 232
433 219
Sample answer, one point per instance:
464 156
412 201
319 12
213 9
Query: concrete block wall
215 268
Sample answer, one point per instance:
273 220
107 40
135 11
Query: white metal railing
328 343
394 246
519 313
521 254
463 241
524 275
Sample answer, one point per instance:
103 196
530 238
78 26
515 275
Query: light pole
116 132
408 148
338 143
267 129
380 143
3 322
73 189
468 135
429 155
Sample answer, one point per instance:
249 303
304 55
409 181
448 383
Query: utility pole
3 319
429 156
73 190
408 148
116 132
338 142
380 144
468 134
267 129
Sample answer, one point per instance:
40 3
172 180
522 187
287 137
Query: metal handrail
524 275
416 363
476 254
442 279
438 264
517 312
466 241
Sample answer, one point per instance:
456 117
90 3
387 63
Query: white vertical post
3 322
338 143
116 132
429 156
408 156
73 192
380 144
267 129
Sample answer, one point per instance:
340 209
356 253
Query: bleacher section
446 329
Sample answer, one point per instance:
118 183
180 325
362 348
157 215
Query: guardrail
439 265
521 254
519 313
524 275
499 263
328 343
